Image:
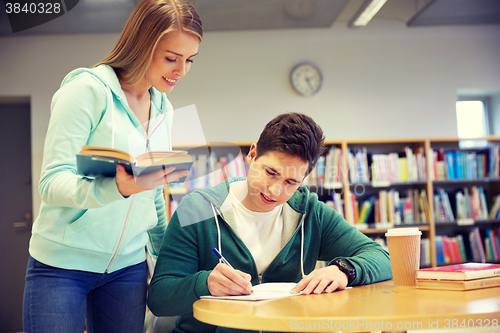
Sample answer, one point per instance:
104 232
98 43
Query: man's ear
252 153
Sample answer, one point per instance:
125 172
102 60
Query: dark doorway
15 210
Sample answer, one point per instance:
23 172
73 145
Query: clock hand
308 80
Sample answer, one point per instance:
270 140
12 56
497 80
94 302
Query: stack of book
466 276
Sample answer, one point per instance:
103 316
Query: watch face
306 79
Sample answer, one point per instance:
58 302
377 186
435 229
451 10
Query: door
15 210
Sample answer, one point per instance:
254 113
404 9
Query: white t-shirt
262 233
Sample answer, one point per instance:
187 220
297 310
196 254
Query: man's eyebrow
178 54
276 171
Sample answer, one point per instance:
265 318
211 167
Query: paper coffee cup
404 251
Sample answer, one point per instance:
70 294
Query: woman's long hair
149 21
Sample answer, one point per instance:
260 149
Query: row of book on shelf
386 208
406 166
365 168
411 206
470 205
209 170
409 166
483 247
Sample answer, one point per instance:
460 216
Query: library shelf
421 227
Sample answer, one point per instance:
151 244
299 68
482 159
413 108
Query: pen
224 261
221 257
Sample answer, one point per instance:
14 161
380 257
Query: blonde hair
149 21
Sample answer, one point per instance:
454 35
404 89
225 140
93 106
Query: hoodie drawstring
219 245
110 105
218 230
302 246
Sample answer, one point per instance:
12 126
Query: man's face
272 179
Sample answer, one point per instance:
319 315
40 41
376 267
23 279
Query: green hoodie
186 258
85 223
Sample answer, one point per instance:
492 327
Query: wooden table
375 307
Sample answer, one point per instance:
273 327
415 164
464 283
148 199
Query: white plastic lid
403 232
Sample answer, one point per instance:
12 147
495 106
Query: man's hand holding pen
224 280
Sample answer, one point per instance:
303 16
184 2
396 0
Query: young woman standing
87 258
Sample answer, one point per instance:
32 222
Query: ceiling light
366 12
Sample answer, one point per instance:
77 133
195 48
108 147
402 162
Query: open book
270 290
101 161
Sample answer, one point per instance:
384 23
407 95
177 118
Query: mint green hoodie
312 231
85 223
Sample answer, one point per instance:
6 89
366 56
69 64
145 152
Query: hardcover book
96 161
459 284
466 271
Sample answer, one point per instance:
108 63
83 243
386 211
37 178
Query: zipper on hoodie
150 132
122 234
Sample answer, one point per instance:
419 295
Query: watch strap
345 267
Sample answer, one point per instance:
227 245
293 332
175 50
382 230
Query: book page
163 158
106 152
271 290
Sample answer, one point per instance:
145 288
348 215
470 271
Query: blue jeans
61 300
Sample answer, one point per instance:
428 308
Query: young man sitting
268 227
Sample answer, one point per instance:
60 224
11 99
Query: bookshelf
472 186
378 184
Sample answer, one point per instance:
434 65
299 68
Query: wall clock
306 79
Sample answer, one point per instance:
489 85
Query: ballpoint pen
221 257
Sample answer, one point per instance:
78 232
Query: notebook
270 290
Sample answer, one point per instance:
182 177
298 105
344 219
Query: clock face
306 79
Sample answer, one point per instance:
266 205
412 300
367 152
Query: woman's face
172 59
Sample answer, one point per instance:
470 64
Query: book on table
465 271
96 161
459 284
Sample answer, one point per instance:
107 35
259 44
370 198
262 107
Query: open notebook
270 290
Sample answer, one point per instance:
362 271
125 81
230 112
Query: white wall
383 81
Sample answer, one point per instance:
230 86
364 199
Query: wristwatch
345 267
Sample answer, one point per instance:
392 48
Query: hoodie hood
138 140
107 76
